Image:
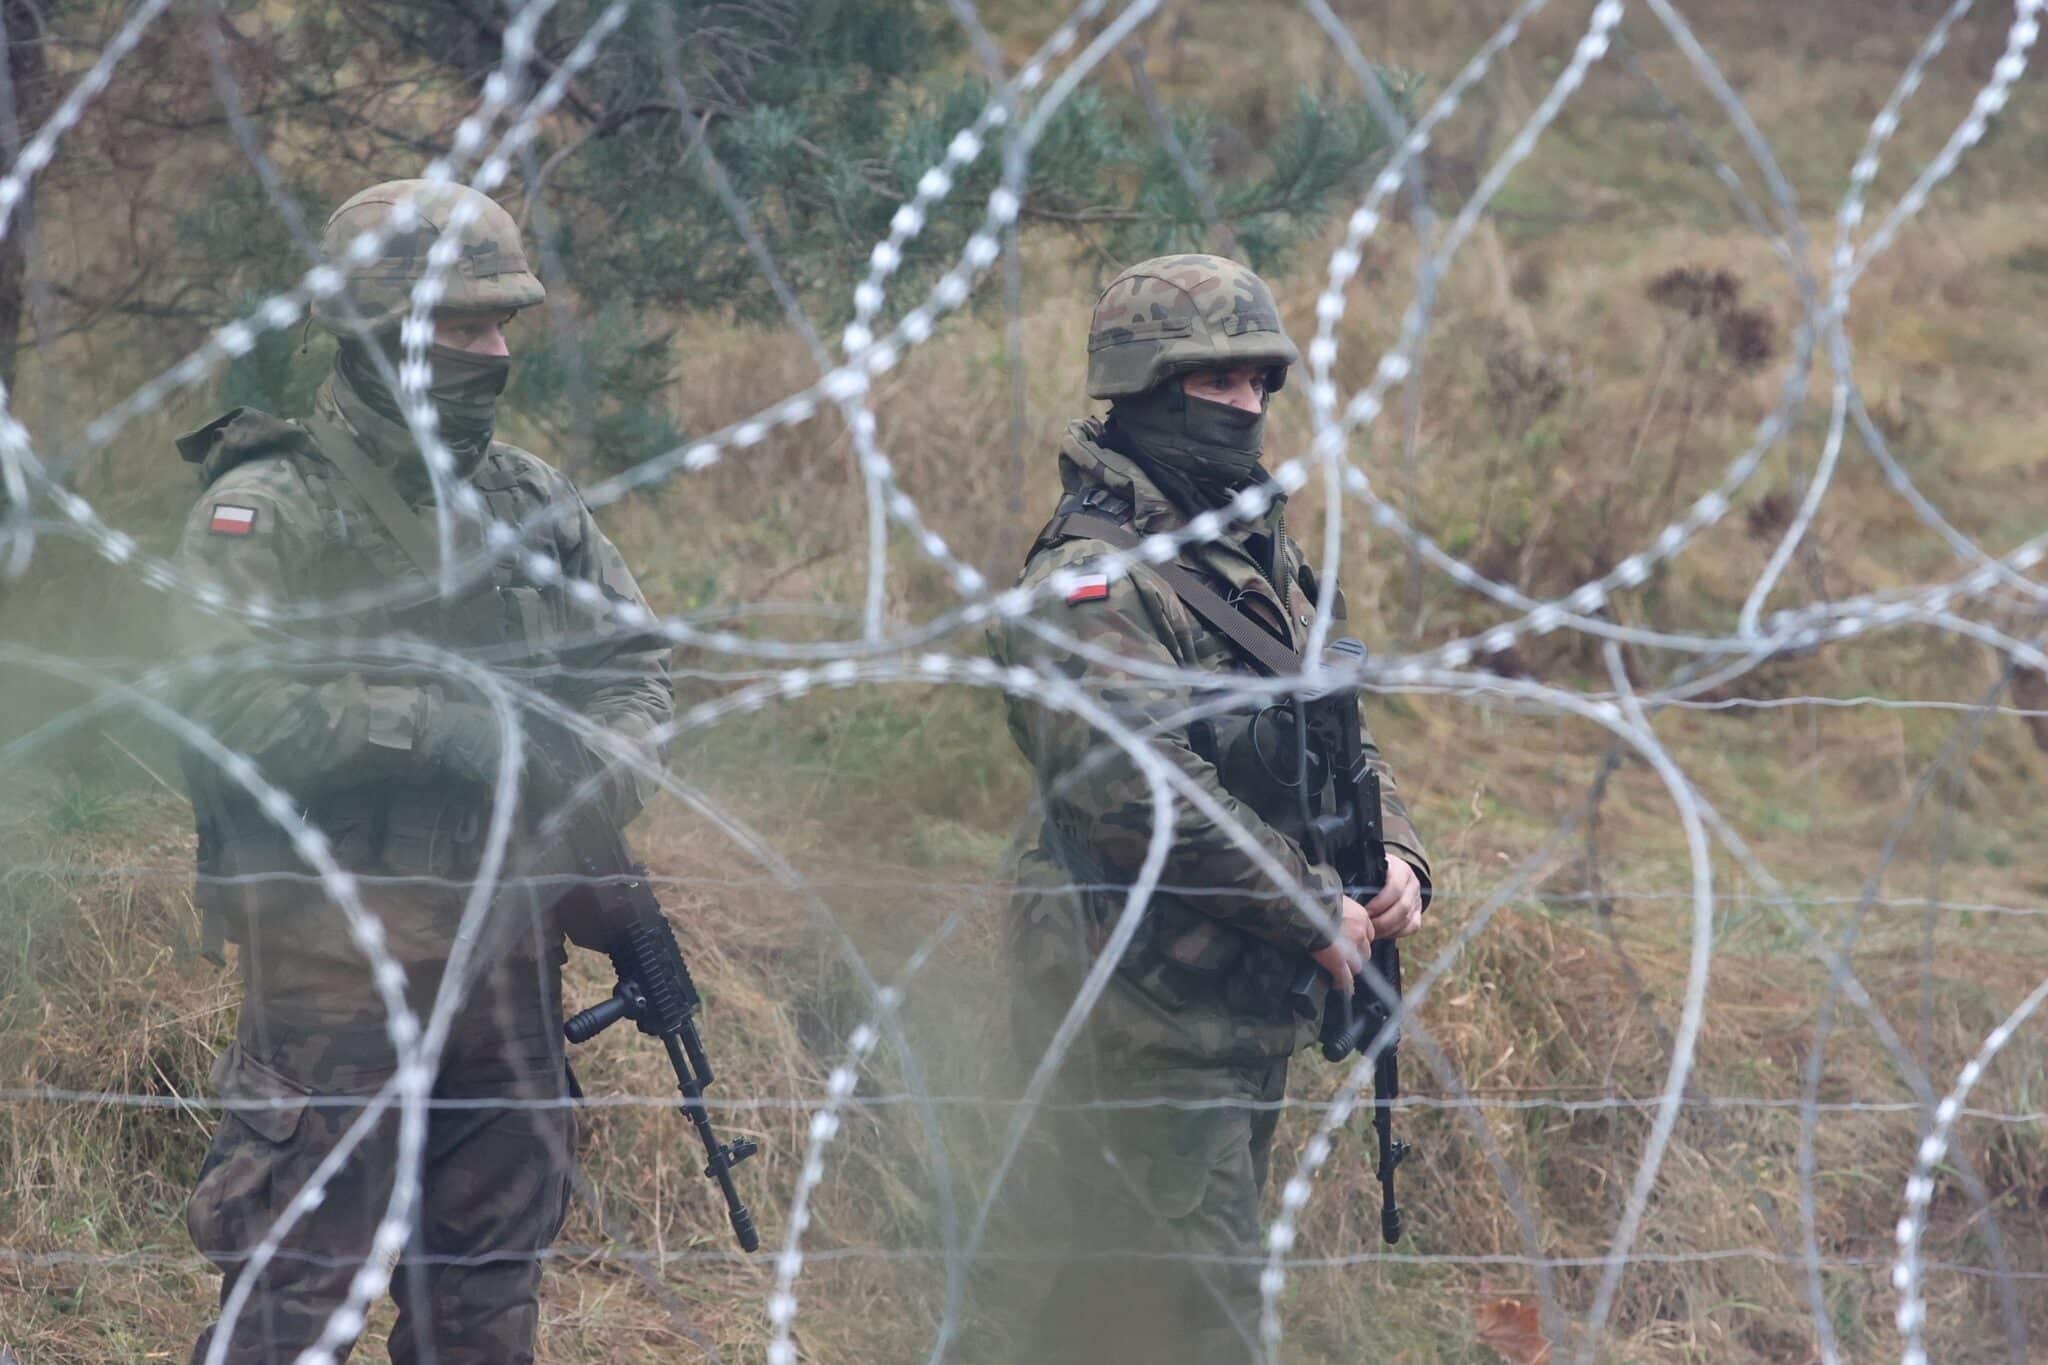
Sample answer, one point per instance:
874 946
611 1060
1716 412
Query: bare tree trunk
24 103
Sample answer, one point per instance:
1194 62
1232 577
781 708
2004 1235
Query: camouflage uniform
1152 1201
366 749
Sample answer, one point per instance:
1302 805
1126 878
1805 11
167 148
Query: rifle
612 908
1350 836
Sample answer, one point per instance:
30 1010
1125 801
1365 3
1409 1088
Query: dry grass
1554 1001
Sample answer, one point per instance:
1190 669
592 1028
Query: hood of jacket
236 437
1086 463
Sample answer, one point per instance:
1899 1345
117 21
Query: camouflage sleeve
620 675
1096 793
250 537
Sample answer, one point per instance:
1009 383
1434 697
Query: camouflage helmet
1173 314
489 273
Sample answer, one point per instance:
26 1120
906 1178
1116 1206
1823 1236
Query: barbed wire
924 653
699 1256
898 1099
1616 896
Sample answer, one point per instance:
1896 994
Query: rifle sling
339 446
1252 640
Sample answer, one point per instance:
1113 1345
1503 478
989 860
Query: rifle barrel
721 1157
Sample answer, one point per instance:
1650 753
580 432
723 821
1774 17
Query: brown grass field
1566 414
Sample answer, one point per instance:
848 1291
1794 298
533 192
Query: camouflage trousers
495 1178
1148 1207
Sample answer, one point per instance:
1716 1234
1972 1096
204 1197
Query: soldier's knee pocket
236 1196
1188 1152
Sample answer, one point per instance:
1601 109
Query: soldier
393 761
1158 1192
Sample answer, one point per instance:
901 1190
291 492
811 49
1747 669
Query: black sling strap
467 618
1253 641
404 525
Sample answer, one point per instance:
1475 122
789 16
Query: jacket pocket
529 620
1181 956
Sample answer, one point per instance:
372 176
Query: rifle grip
1347 1023
587 1024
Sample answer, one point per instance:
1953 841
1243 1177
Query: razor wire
927 653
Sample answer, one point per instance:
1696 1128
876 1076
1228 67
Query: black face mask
1210 450
462 385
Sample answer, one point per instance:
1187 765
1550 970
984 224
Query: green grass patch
79 807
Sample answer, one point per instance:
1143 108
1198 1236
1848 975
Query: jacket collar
236 437
388 444
1087 464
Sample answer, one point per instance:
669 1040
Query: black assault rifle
1351 838
611 908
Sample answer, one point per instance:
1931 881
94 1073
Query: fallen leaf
1513 1330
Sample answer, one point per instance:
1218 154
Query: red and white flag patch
230 520
1087 587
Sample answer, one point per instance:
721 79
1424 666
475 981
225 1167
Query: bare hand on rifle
1342 959
1396 911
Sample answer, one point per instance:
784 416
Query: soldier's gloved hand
468 745
556 763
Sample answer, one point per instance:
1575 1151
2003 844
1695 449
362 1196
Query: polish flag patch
1087 587
230 520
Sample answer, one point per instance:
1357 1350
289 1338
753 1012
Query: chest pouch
1259 757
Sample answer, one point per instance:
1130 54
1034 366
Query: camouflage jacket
1206 978
351 738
